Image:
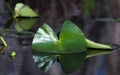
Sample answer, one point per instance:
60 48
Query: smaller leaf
22 10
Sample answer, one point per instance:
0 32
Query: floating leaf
22 10
71 39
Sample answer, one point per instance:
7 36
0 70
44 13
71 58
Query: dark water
24 64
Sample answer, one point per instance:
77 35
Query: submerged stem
3 50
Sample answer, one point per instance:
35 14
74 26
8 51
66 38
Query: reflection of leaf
14 33
95 52
71 39
44 60
27 24
22 10
71 62
18 28
24 24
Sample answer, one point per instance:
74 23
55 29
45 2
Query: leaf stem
92 44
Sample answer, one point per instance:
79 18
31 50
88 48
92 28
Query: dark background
54 12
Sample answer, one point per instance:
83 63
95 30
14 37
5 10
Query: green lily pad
22 10
71 39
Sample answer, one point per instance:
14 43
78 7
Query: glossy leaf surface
22 10
45 40
71 39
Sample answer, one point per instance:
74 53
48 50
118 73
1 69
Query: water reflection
19 28
69 61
